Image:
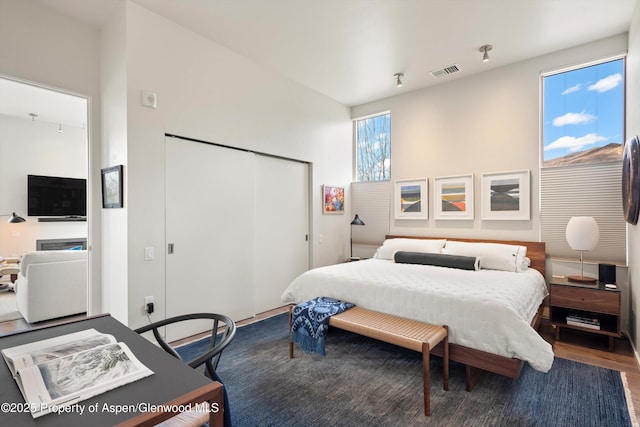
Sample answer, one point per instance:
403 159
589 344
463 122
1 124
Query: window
373 148
584 115
581 162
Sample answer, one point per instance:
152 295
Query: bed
492 314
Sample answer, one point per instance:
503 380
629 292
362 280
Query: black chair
222 332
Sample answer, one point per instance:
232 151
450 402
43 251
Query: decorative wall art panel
411 199
453 198
506 196
333 197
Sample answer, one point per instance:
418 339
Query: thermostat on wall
149 99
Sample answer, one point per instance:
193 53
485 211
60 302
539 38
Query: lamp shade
357 221
582 233
13 218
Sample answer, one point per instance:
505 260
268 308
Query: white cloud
607 83
574 144
572 89
573 119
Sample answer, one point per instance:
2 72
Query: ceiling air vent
436 74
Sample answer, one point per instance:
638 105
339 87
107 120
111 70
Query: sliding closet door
210 223
281 228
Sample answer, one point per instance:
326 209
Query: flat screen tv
56 196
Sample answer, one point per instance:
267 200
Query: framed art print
112 187
453 197
505 196
333 199
411 199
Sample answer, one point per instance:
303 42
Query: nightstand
585 307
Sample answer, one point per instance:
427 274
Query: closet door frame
224 281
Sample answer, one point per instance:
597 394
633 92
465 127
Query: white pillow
495 256
390 246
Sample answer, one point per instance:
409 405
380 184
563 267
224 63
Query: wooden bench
411 334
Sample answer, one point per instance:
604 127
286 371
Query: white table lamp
582 235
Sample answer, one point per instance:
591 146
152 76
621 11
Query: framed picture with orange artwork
333 199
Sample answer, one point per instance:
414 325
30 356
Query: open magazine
65 370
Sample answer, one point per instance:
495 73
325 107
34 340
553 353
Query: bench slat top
388 328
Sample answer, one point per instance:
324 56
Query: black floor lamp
356 221
16 219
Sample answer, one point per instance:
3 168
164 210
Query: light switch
148 253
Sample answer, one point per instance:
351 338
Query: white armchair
52 284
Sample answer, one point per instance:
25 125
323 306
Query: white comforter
487 310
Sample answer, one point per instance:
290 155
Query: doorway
43 131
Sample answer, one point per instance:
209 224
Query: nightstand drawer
585 299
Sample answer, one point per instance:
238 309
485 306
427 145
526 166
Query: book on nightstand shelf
583 320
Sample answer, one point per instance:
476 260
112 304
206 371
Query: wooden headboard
535 250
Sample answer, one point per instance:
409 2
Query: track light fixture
398 81
485 49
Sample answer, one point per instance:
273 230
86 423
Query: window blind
371 201
586 190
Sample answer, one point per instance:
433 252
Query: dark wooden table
173 383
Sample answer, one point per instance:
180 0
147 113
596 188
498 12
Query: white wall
36 148
204 91
489 122
40 46
114 232
633 128
207 92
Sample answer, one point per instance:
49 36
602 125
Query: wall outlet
149 305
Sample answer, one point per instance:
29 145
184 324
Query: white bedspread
487 310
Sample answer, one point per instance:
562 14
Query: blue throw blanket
310 322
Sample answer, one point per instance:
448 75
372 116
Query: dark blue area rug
363 382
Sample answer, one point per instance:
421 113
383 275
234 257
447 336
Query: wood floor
573 345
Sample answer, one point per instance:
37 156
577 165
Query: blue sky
583 109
